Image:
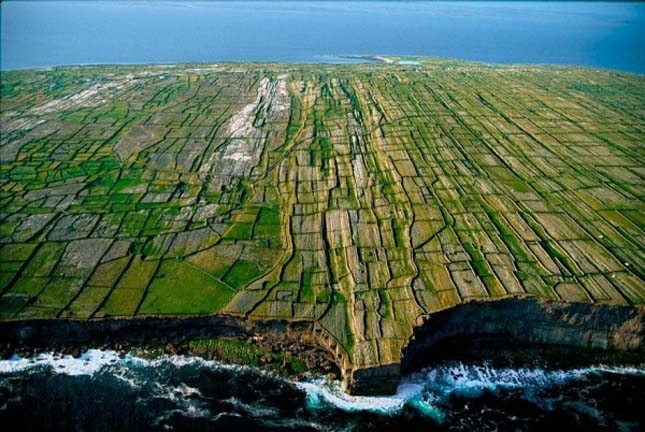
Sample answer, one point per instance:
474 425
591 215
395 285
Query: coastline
342 60
552 334
284 348
180 392
249 263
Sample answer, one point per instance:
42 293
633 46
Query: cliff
361 200
510 324
494 325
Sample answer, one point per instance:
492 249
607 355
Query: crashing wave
424 391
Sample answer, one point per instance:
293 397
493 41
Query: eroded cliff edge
355 197
505 323
498 323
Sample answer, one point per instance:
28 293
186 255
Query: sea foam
88 363
423 391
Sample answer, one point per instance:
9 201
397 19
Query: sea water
45 33
103 390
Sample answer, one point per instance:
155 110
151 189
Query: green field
356 196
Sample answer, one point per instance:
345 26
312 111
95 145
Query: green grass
499 170
239 231
130 289
241 352
45 259
179 288
16 251
242 272
269 216
307 290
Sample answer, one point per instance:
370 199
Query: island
381 212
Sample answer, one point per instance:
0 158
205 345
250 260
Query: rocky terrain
358 200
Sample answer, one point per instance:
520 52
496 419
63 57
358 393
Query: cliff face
355 198
496 323
173 332
509 321
66 331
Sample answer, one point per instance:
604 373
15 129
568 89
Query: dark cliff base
529 332
283 347
514 331
522 328
501 351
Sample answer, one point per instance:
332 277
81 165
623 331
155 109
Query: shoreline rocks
517 329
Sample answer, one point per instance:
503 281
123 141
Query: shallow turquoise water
610 35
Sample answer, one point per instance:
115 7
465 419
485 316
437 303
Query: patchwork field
360 197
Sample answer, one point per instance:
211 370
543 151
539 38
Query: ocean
102 390
46 33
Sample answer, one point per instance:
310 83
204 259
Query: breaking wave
177 392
